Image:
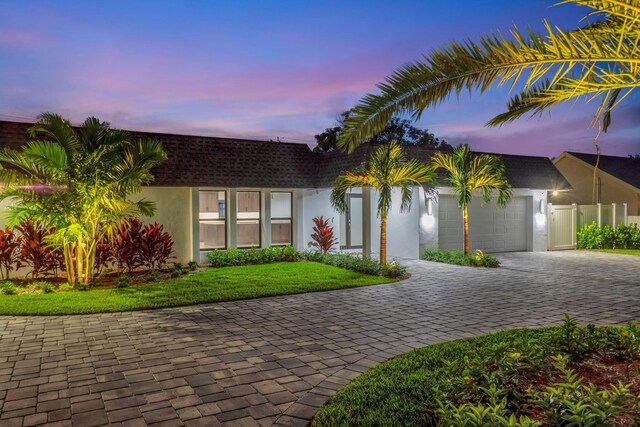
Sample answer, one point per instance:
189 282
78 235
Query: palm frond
553 67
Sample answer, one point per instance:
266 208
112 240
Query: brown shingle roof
199 161
626 169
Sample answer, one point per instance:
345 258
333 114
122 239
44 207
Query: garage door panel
491 229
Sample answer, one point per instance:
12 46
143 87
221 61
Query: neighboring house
228 193
617 180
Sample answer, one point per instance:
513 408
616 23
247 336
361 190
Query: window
248 219
281 230
213 220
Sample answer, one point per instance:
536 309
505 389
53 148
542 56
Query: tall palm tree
78 181
469 173
599 61
386 169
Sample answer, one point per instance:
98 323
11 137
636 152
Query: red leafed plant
322 235
104 255
9 252
156 246
36 252
126 243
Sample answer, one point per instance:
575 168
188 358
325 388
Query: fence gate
562 226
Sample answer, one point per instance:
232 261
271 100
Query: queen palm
599 61
78 181
386 169
470 173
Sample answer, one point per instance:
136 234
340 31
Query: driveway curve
274 361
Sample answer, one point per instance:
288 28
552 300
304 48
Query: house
617 180
217 193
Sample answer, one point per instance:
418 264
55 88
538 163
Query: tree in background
599 61
398 130
78 182
386 169
469 173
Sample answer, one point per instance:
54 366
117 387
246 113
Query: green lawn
213 285
635 252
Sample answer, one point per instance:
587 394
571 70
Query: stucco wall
173 211
402 227
580 176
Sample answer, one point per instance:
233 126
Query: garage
491 229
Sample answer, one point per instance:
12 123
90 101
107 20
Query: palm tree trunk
383 238
465 218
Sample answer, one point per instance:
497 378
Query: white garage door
491 229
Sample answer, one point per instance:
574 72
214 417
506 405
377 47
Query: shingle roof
626 169
198 161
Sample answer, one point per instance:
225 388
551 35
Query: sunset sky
269 69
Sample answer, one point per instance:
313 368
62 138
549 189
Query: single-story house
617 180
236 193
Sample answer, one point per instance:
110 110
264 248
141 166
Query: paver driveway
275 360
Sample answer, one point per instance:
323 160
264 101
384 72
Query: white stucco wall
174 212
402 227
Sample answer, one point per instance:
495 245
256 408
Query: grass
213 285
405 390
635 252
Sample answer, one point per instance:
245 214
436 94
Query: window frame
245 220
290 218
225 219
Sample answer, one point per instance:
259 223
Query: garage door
491 229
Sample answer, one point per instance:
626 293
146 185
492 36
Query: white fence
565 221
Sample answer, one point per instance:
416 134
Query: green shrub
193 265
178 266
83 287
8 288
65 287
355 263
479 258
123 281
175 272
45 287
231 257
622 237
154 276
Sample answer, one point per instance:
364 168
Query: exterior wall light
429 206
541 207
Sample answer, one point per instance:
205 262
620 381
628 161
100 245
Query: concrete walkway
274 361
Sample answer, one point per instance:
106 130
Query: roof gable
626 169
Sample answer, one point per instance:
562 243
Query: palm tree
386 169
599 61
78 181
469 173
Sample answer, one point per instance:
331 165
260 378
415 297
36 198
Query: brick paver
274 361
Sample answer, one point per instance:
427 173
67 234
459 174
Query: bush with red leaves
322 235
35 252
9 252
156 246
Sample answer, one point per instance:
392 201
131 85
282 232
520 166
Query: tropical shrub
9 251
36 251
123 281
45 287
322 236
622 237
125 246
193 265
479 258
156 246
355 263
7 288
231 257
